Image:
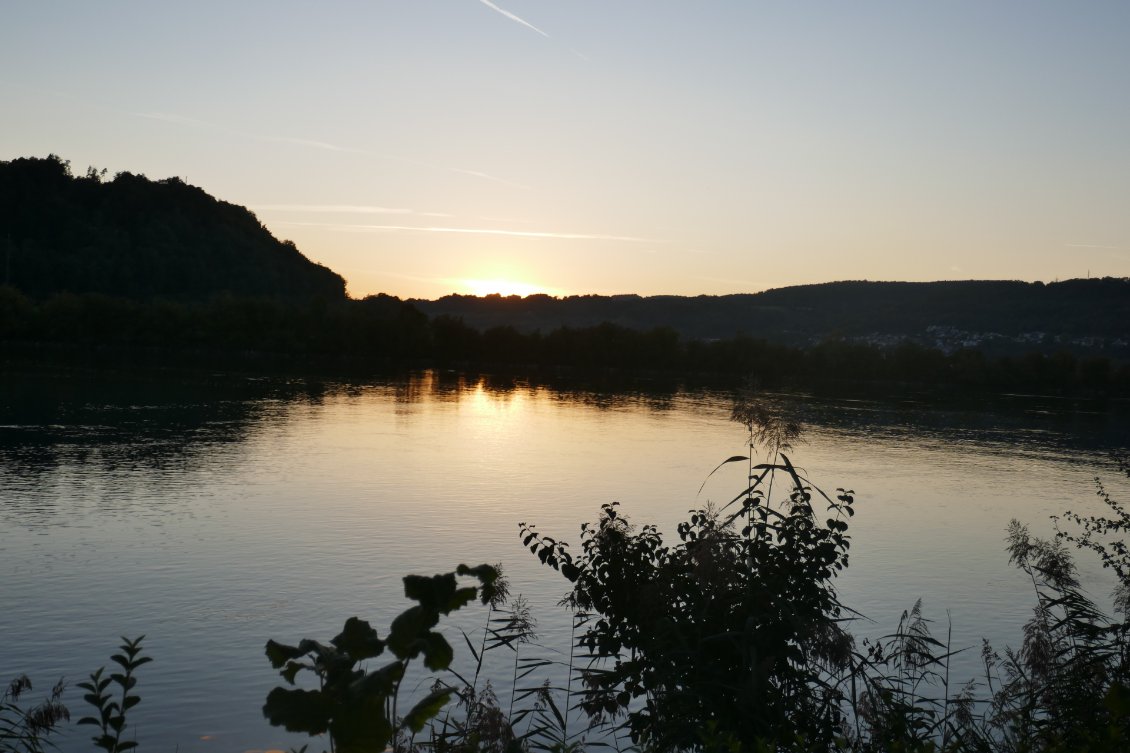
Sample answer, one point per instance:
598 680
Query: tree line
1071 309
327 334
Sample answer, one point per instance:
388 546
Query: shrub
733 636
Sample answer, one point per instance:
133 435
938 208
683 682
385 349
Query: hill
996 316
136 238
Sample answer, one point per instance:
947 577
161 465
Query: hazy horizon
427 148
623 293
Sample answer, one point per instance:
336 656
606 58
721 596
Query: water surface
211 513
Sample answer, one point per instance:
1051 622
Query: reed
26 730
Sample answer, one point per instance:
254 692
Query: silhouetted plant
358 708
512 629
537 715
1068 686
900 690
479 723
26 730
732 637
549 729
767 427
111 718
1106 537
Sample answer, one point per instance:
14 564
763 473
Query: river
212 512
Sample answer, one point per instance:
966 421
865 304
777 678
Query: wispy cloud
1092 245
416 278
503 220
513 17
168 117
336 209
488 176
183 120
323 145
476 231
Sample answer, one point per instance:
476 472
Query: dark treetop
132 237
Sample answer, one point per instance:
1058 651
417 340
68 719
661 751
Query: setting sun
502 287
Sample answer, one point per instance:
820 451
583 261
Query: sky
425 147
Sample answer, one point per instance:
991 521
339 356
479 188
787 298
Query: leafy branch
111 717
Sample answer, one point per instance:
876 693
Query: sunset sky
422 147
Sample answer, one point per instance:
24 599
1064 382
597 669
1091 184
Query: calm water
213 513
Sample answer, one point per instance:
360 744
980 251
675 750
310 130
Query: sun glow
502 287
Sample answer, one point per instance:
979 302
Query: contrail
512 17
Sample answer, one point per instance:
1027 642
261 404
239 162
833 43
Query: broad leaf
438 653
359 640
427 708
306 711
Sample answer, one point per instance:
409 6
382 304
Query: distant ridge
1090 315
132 237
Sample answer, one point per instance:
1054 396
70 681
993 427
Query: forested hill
132 237
995 315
